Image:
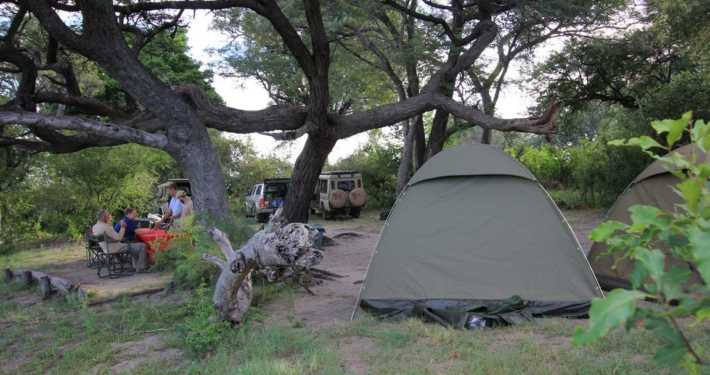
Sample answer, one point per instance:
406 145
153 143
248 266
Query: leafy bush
203 330
684 234
183 253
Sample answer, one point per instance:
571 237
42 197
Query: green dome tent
653 187
472 227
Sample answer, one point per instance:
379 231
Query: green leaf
672 282
647 142
661 126
676 127
653 261
638 275
617 142
670 354
675 348
699 240
690 190
690 364
700 315
607 314
606 229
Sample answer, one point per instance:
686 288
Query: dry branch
313 269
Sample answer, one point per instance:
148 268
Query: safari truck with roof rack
339 192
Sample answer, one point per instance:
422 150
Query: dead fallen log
321 276
54 283
134 294
354 234
278 250
313 269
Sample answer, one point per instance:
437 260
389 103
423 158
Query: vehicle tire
358 197
313 211
338 198
262 218
355 212
246 211
325 213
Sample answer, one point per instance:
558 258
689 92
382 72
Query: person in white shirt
174 211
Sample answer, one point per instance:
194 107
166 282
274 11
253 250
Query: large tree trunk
404 163
438 134
486 136
305 176
279 245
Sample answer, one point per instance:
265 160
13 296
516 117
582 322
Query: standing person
113 244
131 227
174 207
186 201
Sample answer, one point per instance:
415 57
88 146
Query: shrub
684 234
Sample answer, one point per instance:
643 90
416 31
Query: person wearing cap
114 244
174 208
186 204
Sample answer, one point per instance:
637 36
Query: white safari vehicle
339 192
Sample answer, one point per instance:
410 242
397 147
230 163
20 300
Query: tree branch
214 260
107 130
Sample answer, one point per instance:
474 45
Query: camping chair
115 264
94 252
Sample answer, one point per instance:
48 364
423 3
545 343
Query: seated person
131 227
114 244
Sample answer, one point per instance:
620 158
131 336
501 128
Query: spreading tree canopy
112 36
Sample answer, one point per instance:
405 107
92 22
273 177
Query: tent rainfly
474 227
653 187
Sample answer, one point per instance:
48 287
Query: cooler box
319 241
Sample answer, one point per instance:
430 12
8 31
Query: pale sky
248 95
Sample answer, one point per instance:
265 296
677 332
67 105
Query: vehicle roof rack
338 172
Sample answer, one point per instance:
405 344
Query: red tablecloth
148 238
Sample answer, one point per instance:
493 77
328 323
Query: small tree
684 234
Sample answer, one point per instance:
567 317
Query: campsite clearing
292 332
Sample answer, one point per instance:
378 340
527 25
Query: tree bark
288 247
306 170
405 161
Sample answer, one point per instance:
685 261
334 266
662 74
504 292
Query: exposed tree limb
75 123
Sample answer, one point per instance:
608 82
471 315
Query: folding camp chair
93 250
114 264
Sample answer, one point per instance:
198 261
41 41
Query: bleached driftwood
55 283
280 247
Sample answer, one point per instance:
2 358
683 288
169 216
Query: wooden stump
27 278
45 286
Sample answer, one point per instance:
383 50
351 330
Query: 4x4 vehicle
339 192
265 198
162 198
